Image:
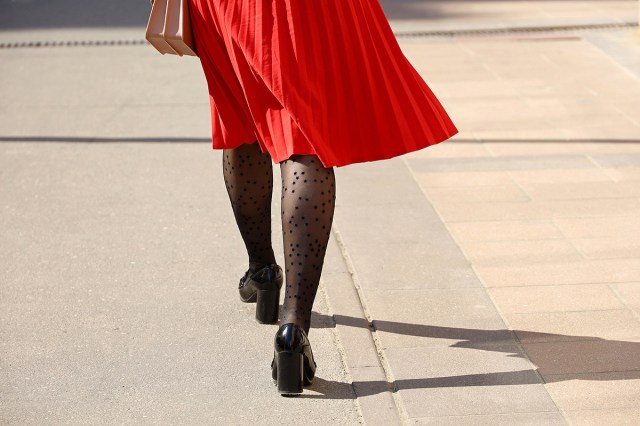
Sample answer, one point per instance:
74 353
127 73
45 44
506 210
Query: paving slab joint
536 29
624 301
512 333
341 351
376 340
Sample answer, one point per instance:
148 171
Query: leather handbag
169 28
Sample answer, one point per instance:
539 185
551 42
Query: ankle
256 266
299 323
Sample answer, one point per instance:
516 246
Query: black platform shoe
293 366
263 288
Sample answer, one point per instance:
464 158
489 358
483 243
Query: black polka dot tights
307 207
248 176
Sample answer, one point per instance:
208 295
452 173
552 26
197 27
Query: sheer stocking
248 175
308 201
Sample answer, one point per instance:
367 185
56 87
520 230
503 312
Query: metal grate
401 35
74 43
512 31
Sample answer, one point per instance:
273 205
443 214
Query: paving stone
616 146
617 160
42 122
592 297
512 230
387 176
452 148
531 419
350 323
404 225
614 417
460 317
548 147
554 81
483 14
521 162
598 227
462 179
627 174
398 272
620 45
595 391
560 176
478 194
491 211
630 294
493 380
456 398
374 396
608 248
525 132
593 356
585 272
598 190
593 207
439 366
625 130
518 252
193 121
116 298
570 326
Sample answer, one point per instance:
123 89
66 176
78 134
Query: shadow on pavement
619 358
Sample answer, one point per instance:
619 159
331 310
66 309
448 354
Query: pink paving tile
513 230
594 297
578 272
595 391
570 326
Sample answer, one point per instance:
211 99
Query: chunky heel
293 366
263 288
267 305
289 374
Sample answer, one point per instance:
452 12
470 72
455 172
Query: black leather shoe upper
268 277
292 338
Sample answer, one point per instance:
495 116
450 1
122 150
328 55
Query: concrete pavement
490 279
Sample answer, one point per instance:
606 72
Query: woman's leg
248 175
308 202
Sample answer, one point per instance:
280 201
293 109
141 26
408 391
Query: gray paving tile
375 396
471 400
377 184
400 224
452 366
523 419
616 416
454 381
451 317
427 258
121 293
388 273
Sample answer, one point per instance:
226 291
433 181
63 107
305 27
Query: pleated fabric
323 77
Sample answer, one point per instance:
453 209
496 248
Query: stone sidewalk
494 278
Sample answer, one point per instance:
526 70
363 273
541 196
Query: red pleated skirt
323 77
